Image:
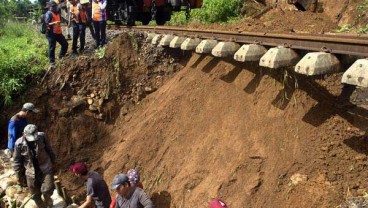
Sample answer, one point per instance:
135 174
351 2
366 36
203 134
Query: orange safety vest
98 14
82 17
56 29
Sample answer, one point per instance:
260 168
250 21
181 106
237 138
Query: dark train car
130 11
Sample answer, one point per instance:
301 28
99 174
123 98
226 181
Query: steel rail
348 44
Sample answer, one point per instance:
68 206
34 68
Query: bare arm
88 202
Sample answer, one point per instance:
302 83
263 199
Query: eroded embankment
254 137
223 129
81 99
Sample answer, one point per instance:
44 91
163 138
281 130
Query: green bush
23 53
178 19
212 11
218 10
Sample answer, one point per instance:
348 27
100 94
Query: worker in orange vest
87 6
99 21
79 20
54 32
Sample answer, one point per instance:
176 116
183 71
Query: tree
11 8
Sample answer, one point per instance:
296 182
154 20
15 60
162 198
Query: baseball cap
217 203
52 3
119 179
30 132
79 168
30 107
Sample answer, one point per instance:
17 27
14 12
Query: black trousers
42 184
100 29
89 24
53 38
79 31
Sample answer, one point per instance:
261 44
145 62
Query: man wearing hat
17 123
33 164
54 32
97 189
128 195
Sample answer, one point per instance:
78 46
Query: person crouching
97 189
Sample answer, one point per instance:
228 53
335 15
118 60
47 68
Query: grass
218 10
361 10
178 19
23 53
344 29
363 30
212 11
100 52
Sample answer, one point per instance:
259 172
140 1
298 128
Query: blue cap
52 3
119 179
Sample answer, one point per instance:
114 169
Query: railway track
349 44
309 54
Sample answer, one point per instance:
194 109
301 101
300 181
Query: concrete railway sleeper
309 54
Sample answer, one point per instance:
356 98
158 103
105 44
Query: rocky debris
90 42
92 85
13 193
9 187
355 202
297 179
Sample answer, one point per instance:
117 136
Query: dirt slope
279 16
219 129
252 136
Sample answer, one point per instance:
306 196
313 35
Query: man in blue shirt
17 124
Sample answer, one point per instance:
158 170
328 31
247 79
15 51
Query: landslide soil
200 127
278 16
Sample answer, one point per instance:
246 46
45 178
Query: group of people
34 165
80 15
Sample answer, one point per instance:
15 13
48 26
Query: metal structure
348 44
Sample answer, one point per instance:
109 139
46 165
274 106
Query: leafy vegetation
343 28
100 52
23 53
218 10
178 19
363 30
361 10
10 8
212 11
